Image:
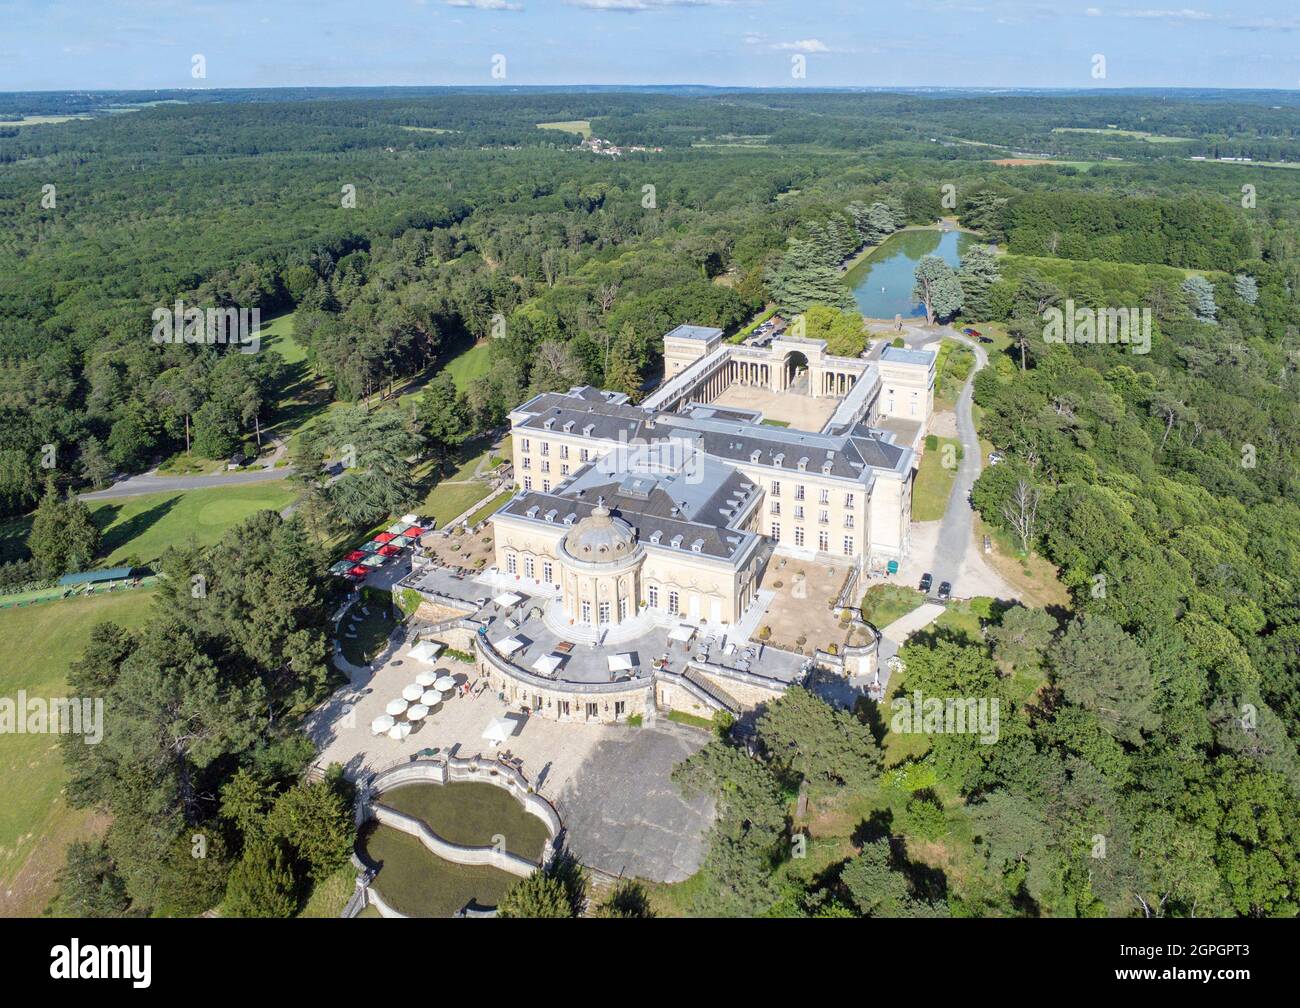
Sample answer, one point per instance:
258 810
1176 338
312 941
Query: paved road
955 532
135 485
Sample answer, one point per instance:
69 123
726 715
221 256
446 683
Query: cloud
636 6
488 5
1182 14
810 45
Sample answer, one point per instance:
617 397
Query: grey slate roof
695 332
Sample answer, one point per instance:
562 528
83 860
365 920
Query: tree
628 899
95 464
937 289
844 332
316 821
878 889
89 885
1201 293
817 742
1022 636
443 413
558 890
262 884
1020 511
63 538
1101 668
977 275
375 448
803 277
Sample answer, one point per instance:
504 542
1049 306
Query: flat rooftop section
694 332
901 355
906 432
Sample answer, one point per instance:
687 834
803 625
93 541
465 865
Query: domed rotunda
600 561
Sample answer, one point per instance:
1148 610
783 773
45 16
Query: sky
143 44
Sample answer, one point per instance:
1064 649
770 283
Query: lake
882 283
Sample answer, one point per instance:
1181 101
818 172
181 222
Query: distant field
142 527
36 824
580 126
1029 162
1130 134
44 120
427 129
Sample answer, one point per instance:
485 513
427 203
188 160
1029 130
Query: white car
995 458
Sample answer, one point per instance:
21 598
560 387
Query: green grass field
142 527
580 126
277 335
934 481
469 366
884 603
36 824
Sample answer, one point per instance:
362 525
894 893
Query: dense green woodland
1146 762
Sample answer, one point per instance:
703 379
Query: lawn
472 814
277 335
490 507
884 603
580 126
934 481
447 500
331 895
142 527
418 884
36 824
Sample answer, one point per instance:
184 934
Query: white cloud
635 6
811 45
1182 14
492 5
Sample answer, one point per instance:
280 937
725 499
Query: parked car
945 591
968 331
926 581
995 458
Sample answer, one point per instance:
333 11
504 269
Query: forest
1157 713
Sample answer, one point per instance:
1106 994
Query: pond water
882 283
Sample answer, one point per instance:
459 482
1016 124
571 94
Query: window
546 466
593 710
584 455
564 451
776 488
823 496
776 507
564 470
823 517
622 609
620 707
798 512
848 545
604 612
776 530
848 521
528 482
673 603
798 536
798 491
512 563
528 463
652 596
528 567
563 707
546 486
824 541
848 500
586 612
524 445
548 572
546 448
